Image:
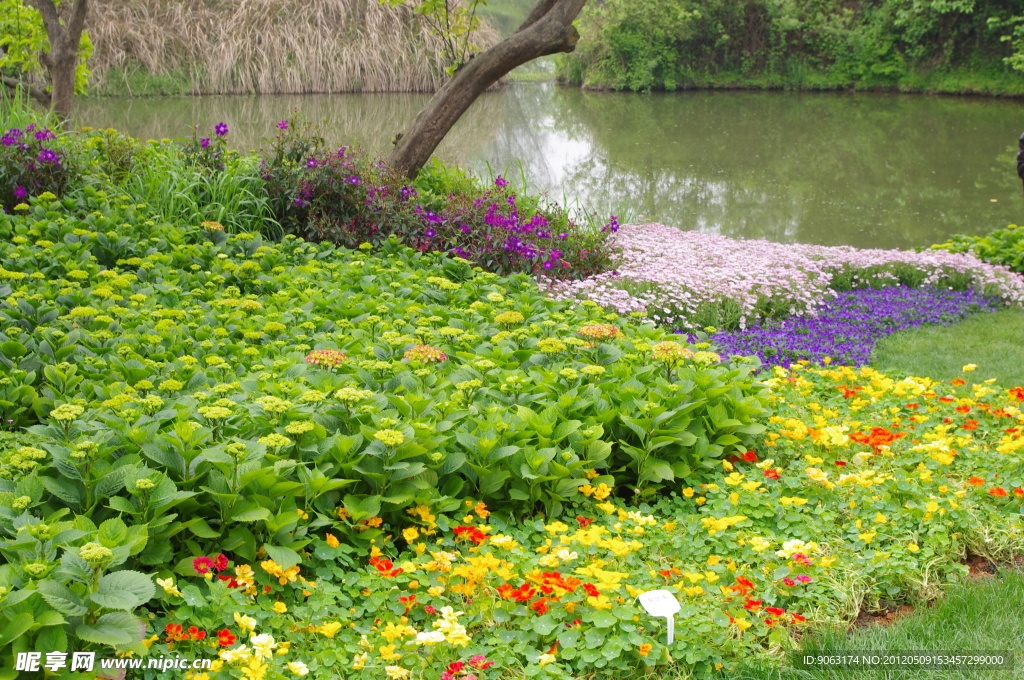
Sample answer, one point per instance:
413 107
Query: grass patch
962 622
992 341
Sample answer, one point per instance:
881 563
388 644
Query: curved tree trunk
62 59
548 30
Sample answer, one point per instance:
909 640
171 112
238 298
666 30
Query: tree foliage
23 42
654 44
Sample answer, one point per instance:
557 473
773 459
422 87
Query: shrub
1003 247
33 161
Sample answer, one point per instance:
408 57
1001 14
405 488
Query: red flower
173 632
753 605
584 521
772 474
840 463
202 564
196 633
456 666
911 406
541 605
409 602
472 533
1018 492
743 585
998 492
963 409
1017 393
591 589
775 611
480 661
957 382
750 457
946 400
385 566
220 563
430 609
975 481
970 425
225 638
797 618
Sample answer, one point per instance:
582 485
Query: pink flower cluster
670 275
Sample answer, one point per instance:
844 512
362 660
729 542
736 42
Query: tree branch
51 17
39 94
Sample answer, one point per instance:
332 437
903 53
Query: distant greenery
992 341
820 44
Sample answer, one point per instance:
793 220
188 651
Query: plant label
661 603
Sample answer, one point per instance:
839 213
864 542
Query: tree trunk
62 59
548 30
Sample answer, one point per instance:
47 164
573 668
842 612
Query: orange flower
332 540
645 648
998 492
957 382
1018 492
975 481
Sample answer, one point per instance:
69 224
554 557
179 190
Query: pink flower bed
687 278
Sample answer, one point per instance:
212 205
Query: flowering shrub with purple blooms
349 198
846 327
208 153
32 161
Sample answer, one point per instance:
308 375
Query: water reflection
864 170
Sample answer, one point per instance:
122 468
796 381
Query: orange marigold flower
975 481
1018 492
963 409
957 382
1017 393
332 540
749 456
998 492
645 648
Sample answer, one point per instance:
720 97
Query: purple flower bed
847 326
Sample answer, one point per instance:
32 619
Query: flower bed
692 280
844 329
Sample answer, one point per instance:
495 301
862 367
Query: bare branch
37 93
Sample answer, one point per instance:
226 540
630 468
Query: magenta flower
202 564
500 182
221 129
283 125
789 582
20 192
804 578
204 142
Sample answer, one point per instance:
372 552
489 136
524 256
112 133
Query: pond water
891 171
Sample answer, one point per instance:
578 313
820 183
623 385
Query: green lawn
984 616
994 341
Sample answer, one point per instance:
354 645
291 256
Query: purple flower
44 135
283 125
430 233
48 156
465 229
548 264
20 192
500 182
221 129
353 180
312 163
204 142
803 578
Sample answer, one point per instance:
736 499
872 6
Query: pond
891 171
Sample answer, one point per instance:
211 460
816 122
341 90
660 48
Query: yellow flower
360 661
645 649
410 534
387 653
168 585
298 668
913 547
688 492
742 624
556 528
867 536
694 591
332 540
880 518
967 368
396 672
713 560
280 608
329 629
245 622
545 659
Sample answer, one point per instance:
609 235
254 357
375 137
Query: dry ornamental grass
270 46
